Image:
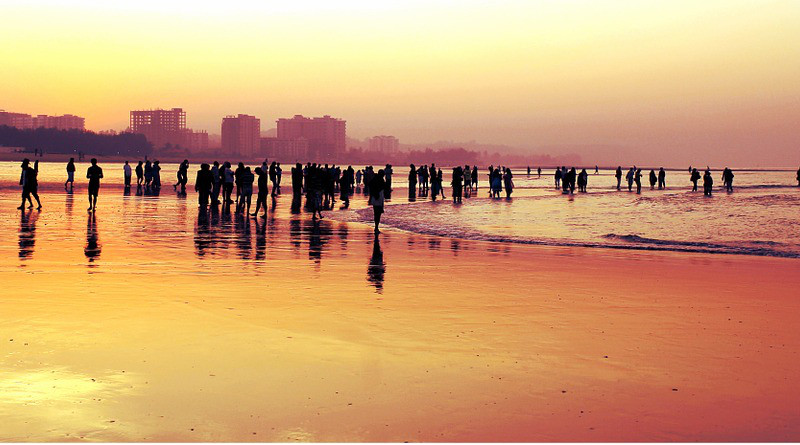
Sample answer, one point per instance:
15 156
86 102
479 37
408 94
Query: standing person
727 179
203 185
237 179
346 185
474 178
653 179
139 174
263 190
467 181
637 178
94 173
29 181
618 175
156 175
596 171
509 182
570 180
529 170
457 183
387 174
377 188
629 178
412 179
216 183
314 190
126 172
583 180
798 177
662 178
183 176
148 173
695 176
358 177
70 173
708 183
558 175
539 172
245 191
278 174
297 179
273 177
227 177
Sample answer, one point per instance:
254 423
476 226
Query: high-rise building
285 149
241 135
26 121
384 144
326 135
197 140
161 127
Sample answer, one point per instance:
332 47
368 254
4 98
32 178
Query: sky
674 82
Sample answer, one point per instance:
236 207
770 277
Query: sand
147 325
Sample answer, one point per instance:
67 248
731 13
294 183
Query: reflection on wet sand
92 249
27 233
377 267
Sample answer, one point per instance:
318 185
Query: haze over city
614 81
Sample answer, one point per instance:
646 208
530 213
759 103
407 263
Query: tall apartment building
384 144
326 135
241 135
160 127
26 121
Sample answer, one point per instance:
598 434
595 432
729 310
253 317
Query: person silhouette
708 183
637 178
618 175
798 177
70 173
662 178
29 181
377 188
139 174
94 173
629 178
126 174
653 179
203 185
694 177
263 190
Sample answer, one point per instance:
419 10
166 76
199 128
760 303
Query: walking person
637 178
263 190
377 188
694 177
245 191
29 181
70 174
94 174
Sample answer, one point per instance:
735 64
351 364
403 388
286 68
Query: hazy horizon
711 82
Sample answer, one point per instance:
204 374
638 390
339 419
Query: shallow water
152 321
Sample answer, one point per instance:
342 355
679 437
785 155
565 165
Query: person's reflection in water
377 267
69 201
92 249
319 233
242 231
202 233
27 233
297 202
455 246
261 239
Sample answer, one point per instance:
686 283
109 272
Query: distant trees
52 140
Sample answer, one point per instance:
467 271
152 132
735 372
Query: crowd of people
220 184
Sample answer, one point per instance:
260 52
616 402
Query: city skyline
661 82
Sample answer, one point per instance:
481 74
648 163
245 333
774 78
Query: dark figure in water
70 173
412 179
246 191
377 188
203 185
653 179
139 170
508 182
148 173
694 178
29 181
629 178
727 179
263 190
346 185
539 172
474 177
618 175
596 171
571 178
94 174
297 179
662 178
798 177
529 170
583 180
558 176
183 176
457 183
637 178
217 185
708 183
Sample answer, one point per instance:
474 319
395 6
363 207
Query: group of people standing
566 180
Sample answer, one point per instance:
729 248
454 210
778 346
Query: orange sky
675 81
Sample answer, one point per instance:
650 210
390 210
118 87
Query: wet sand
153 323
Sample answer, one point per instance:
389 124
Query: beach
152 321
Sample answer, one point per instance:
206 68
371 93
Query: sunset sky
672 81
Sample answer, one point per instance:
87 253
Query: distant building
241 135
326 136
384 144
26 121
161 127
285 149
197 140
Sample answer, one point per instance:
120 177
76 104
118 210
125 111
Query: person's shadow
377 267
92 248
